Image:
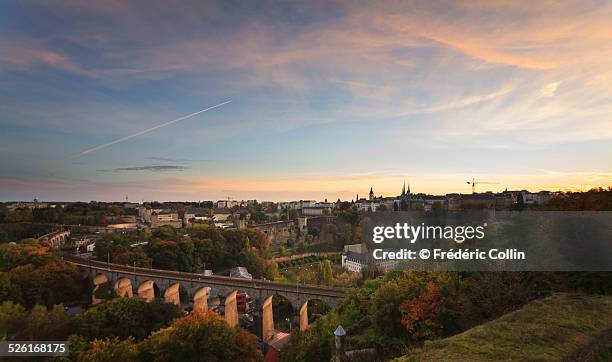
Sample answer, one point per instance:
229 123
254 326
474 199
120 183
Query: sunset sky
328 98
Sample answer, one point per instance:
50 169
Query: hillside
559 327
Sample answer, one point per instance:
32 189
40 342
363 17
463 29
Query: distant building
504 200
279 232
27 205
165 217
296 205
273 348
227 204
316 211
221 215
145 214
485 201
121 219
434 202
356 257
244 303
534 199
84 240
367 205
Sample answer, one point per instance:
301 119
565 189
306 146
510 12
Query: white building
165 217
367 205
356 257
227 204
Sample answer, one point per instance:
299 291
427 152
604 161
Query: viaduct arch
169 283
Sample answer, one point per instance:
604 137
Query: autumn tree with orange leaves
420 315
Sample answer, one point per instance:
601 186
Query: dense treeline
406 308
30 274
25 223
597 199
33 281
120 317
173 249
197 337
21 230
85 213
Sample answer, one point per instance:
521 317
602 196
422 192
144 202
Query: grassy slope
550 329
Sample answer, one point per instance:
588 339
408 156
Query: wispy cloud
175 160
462 103
315 83
155 168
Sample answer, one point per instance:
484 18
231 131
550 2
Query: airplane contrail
151 129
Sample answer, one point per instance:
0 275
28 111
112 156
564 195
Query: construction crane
474 183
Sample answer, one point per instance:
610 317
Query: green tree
325 273
271 272
199 337
111 350
125 317
5 286
41 324
12 317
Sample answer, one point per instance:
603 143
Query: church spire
371 194
404 189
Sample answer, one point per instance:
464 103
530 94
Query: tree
325 273
125 317
132 257
41 324
23 253
5 286
271 272
111 350
420 314
293 214
59 283
49 284
24 285
314 344
200 337
11 318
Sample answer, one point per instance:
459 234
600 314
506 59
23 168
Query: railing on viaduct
129 281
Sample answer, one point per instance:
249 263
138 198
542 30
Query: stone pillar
123 288
231 309
200 301
172 295
98 281
146 291
267 320
304 316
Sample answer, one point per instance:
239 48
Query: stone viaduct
56 239
127 281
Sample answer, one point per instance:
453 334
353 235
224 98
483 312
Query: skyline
328 99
